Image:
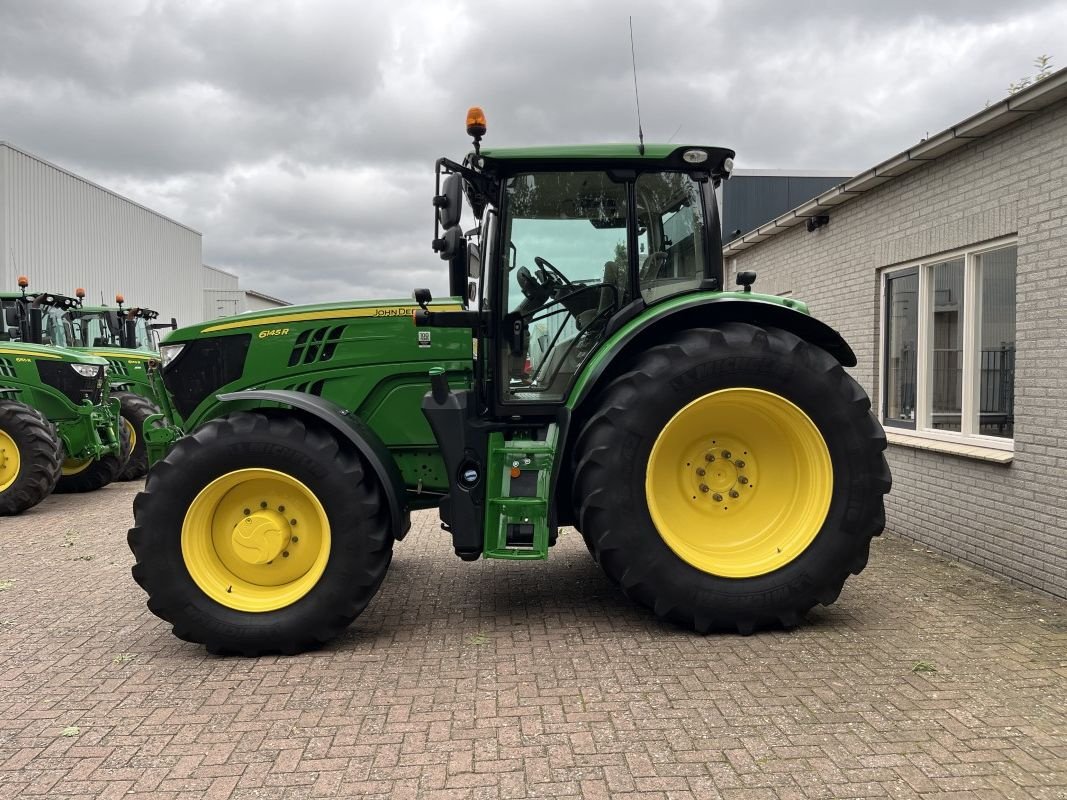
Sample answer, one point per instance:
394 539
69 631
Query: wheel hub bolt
248 511
281 509
292 522
733 493
700 472
709 457
717 497
294 539
739 464
285 554
263 504
726 454
742 480
704 488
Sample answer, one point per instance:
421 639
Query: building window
948 345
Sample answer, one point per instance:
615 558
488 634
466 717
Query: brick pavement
506 680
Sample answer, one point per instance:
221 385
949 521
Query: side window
948 343
567 275
671 236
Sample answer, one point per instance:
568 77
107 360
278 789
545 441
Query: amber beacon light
476 122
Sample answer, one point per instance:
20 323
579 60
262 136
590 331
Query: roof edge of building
112 192
1034 98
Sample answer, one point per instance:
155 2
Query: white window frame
970 342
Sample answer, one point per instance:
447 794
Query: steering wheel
545 265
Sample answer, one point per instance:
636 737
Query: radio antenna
637 97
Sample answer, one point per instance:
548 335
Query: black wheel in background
30 455
135 410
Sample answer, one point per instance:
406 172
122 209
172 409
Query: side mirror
474 261
35 334
457 271
129 330
449 244
449 203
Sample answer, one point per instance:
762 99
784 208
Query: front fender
355 431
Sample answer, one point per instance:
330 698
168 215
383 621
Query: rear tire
188 525
76 478
135 410
30 455
713 573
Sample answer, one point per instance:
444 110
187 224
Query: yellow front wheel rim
739 482
132 430
10 461
256 540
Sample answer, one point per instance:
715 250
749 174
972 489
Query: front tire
88 475
732 478
135 410
30 455
260 534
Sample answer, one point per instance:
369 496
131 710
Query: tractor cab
568 244
131 328
36 318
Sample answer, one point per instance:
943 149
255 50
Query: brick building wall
1010 518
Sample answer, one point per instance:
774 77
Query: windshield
94 331
57 328
146 338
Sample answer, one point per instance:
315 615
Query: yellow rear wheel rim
739 482
73 466
10 461
256 540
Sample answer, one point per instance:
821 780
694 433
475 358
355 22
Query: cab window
671 237
566 275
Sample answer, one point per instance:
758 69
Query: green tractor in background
59 430
128 339
588 369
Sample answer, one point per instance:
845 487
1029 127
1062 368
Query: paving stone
513 680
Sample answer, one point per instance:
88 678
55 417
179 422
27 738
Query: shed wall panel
64 232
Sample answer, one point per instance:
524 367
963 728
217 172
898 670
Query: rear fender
650 328
350 428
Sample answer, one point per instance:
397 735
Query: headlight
169 352
87 370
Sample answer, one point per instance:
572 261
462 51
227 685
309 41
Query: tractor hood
279 318
25 350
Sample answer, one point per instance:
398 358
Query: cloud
300 136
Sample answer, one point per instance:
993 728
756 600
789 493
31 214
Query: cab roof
669 155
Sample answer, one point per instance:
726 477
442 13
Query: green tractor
66 386
588 369
59 430
128 339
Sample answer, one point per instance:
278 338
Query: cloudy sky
300 136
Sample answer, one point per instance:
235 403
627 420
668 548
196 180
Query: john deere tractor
43 382
589 368
127 338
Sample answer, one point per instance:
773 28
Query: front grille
203 367
62 376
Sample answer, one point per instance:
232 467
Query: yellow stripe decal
28 353
342 313
120 356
